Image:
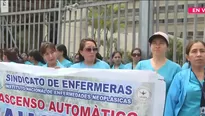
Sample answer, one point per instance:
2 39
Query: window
161 21
180 20
170 20
190 20
171 8
200 33
162 8
171 33
190 33
180 6
190 5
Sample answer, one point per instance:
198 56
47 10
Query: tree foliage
179 50
108 25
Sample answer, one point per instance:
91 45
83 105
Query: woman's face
5 59
50 56
89 51
197 54
59 54
117 59
24 56
158 46
136 55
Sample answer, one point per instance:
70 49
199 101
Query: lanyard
202 86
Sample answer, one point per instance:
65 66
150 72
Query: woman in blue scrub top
159 42
117 60
88 56
10 55
62 55
136 57
36 58
185 93
25 58
48 51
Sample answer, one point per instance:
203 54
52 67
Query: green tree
179 50
110 23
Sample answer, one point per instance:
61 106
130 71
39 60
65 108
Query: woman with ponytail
62 55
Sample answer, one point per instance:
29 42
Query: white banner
38 91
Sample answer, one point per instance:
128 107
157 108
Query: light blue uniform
40 64
98 65
184 96
66 63
168 70
58 65
29 63
122 66
185 66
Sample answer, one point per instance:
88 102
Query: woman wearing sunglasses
48 51
159 42
186 96
136 57
88 56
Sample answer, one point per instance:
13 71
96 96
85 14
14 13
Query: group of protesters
185 89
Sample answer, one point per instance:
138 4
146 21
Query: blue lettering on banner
24 80
97 87
79 95
20 113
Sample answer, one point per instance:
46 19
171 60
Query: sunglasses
91 49
134 55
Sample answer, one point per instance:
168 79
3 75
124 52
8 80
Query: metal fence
116 25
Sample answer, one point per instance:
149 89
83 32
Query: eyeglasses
91 49
134 55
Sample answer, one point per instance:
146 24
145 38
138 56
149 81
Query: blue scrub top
184 95
168 70
185 66
193 97
40 64
122 66
29 63
58 65
98 65
66 63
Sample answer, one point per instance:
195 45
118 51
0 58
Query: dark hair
136 49
62 48
113 54
18 54
46 45
36 55
82 45
190 44
11 55
98 56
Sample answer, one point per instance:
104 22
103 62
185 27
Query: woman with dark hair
36 58
186 94
76 58
10 55
18 54
136 57
88 56
62 55
25 58
117 60
48 51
